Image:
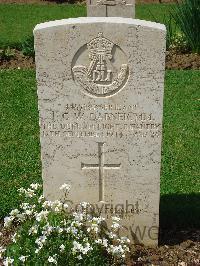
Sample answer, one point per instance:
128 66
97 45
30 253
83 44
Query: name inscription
100 121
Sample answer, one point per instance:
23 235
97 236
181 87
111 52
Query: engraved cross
101 166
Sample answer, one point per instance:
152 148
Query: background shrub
6 54
171 30
28 47
187 17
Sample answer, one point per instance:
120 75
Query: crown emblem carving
100 46
98 78
100 50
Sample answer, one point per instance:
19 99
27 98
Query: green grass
180 182
19 136
181 146
180 178
17 21
152 11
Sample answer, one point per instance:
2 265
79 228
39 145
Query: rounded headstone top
91 20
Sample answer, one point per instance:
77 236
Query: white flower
65 187
41 215
21 217
21 190
35 186
22 258
29 212
88 229
37 250
60 230
87 248
98 220
79 257
57 209
112 235
41 241
73 230
125 239
8 221
2 250
14 238
8 261
88 217
77 246
62 248
98 241
84 204
118 250
65 206
78 224
78 216
30 193
14 212
115 226
64 222
116 219
182 263
80 248
47 230
94 227
33 230
105 242
52 260
25 206
57 205
41 198
47 204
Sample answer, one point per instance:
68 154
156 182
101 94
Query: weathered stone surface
100 90
111 8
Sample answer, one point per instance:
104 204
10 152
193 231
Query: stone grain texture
100 90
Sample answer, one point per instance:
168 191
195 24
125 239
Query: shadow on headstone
179 218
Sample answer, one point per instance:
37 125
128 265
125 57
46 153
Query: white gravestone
111 8
100 90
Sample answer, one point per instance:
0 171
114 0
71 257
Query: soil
174 60
181 248
185 254
177 60
17 62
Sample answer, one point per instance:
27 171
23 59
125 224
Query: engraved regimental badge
100 67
